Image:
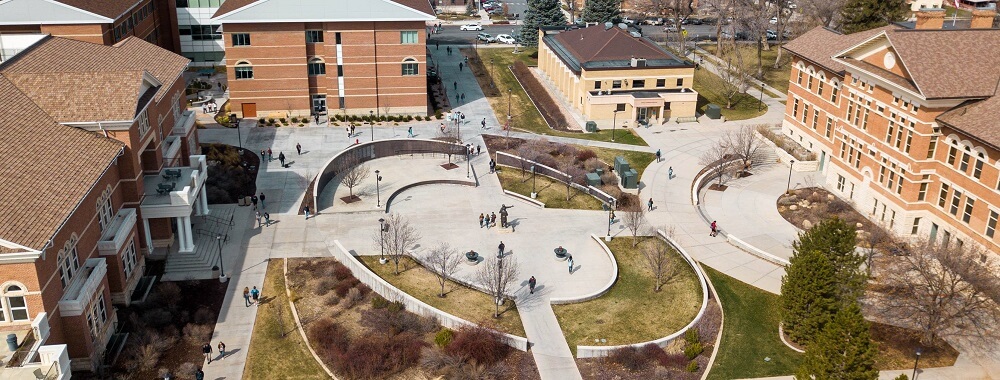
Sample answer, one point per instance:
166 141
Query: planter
560 253
472 256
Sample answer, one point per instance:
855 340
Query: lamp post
614 122
788 187
378 194
492 83
239 134
509 91
760 104
222 268
915 362
611 219
381 231
468 159
533 193
371 115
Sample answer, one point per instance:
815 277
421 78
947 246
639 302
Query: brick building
92 136
103 22
903 122
355 57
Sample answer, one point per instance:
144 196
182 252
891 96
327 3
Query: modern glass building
201 41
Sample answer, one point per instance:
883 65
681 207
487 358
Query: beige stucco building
613 74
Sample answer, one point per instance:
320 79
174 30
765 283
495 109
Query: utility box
630 179
593 179
591 126
713 111
621 166
599 171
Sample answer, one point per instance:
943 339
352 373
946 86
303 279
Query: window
317 67
977 171
795 108
815 120
888 133
129 259
931 147
805 113
952 151
182 3
834 92
799 78
809 83
336 38
819 88
143 123
340 70
964 166
597 85
840 183
956 199
916 226
17 306
97 315
408 37
923 192
661 83
620 107
829 126
970 204
68 262
244 70
105 212
638 83
616 84
943 197
313 36
991 226
410 66
241 39
909 139
680 82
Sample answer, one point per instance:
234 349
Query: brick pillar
930 19
983 19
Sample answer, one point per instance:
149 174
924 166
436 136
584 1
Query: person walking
267 219
649 207
463 101
306 209
281 158
222 350
253 200
493 219
670 173
206 349
657 155
460 66
456 85
261 197
257 214
270 155
409 132
484 123
246 296
479 149
298 148
481 217
500 247
531 284
199 374
493 166
570 260
255 294
715 229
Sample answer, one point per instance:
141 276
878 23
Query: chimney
983 19
930 18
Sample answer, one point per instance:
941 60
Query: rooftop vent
635 34
623 26
638 62
608 25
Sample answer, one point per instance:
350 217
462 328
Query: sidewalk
714 60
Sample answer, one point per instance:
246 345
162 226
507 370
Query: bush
837 206
344 286
204 316
270 120
341 272
197 334
901 376
653 353
157 318
691 336
444 337
678 361
692 366
324 286
295 120
260 121
396 306
328 338
692 350
332 300
353 297
379 302
409 117
186 370
438 115
478 343
379 356
629 358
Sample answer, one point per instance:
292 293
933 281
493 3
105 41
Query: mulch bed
449 166
230 175
350 199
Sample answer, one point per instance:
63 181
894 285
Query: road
451 35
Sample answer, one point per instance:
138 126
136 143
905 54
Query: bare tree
656 255
715 159
822 12
746 144
354 173
496 275
734 72
875 240
676 9
443 260
634 218
397 237
940 289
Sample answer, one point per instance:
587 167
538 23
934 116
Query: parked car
653 21
506 39
475 26
628 20
771 35
670 28
486 37
773 20
695 21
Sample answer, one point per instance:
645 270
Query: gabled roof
48 168
26 12
820 45
950 63
977 118
108 8
599 47
253 11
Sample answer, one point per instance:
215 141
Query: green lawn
750 332
636 160
631 312
777 78
275 332
550 191
710 90
461 301
525 115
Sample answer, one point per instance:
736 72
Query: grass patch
275 332
631 312
636 160
750 334
774 77
524 114
460 301
710 90
550 191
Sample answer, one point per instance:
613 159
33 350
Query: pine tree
859 15
843 350
540 13
837 240
602 11
808 295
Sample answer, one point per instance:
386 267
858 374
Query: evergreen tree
843 350
808 295
837 240
602 11
859 15
540 13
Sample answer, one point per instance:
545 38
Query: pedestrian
267 219
460 66
348 130
650 206
246 295
456 85
448 49
484 123
437 46
479 149
409 132
493 219
481 217
281 158
670 173
207 350
570 264
270 155
222 350
463 101
255 294
352 129
466 60
261 197
253 199
442 127
500 247
493 166
306 209
257 214
298 148
317 119
715 229
199 374
531 284
457 99
657 155
263 154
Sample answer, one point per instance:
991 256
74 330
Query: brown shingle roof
596 43
107 8
882 73
87 99
232 5
48 168
820 44
977 118
950 63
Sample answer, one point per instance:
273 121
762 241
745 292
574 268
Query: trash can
593 179
12 342
713 111
591 126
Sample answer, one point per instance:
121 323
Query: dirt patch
350 199
449 166
482 75
807 206
232 173
717 187
897 347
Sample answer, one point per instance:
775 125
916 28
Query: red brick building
89 133
903 122
103 22
293 57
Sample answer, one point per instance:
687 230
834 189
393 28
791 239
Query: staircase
206 254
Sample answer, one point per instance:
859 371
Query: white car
506 39
471 27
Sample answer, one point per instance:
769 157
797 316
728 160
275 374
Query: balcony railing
117 232
81 290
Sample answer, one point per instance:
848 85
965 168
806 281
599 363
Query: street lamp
492 83
533 193
915 361
611 218
381 230
788 187
378 196
371 115
508 108
222 268
468 159
761 103
239 135
614 122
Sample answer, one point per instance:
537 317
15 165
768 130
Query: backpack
254 292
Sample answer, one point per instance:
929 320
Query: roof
883 73
57 164
92 74
599 47
977 119
930 58
108 8
820 44
248 11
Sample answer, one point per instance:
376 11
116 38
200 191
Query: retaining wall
510 160
599 292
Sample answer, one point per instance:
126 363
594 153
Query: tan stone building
904 124
89 134
294 57
612 74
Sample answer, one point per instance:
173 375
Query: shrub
435 360
653 353
379 356
157 318
341 272
444 337
837 206
396 306
478 343
282 120
591 164
678 361
379 302
270 120
197 334
186 370
364 289
438 115
260 121
328 338
353 297
629 358
295 120
409 117
691 336
344 286
692 366
169 293
609 178
332 300
901 376
692 350
324 286
204 316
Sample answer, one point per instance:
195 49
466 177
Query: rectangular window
241 39
819 89
795 108
661 83
336 38
978 170
616 84
680 82
317 68
314 36
620 107
410 69
899 136
833 94
943 197
829 126
888 133
182 3
923 191
638 83
97 316
909 139
952 151
970 204
916 226
105 213
805 113
340 70
244 72
864 121
964 166
809 83
68 264
408 37
799 78
956 199
991 225
931 147
840 183
815 120
597 85
129 259
18 308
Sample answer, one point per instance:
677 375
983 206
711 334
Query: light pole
533 193
761 103
492 83
611 218
788 187
222 268
614 122
508 108
239 135
468 159
378 194
381 231
915 362
371 115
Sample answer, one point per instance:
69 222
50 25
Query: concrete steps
206 253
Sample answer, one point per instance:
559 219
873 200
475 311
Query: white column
188 235
203 199
149 237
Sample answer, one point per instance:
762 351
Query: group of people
488 220
209 106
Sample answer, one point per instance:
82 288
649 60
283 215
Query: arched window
105 212
14 302
317 67
410 67
244 70
68 261
822 81
809 85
